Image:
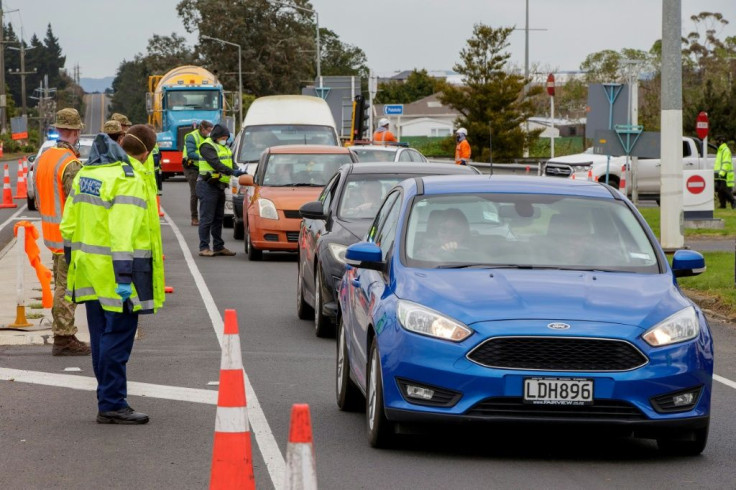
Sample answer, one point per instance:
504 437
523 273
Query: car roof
419 168
515 184
307 149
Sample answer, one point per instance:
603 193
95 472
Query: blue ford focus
503 299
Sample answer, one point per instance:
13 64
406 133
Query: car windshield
526 231
314 169
197 100
255 139
375 155
363 195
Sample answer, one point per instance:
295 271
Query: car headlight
421 320
266 209
338 251
681 326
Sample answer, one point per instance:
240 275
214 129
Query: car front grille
516 408
292 214
558 354
555 171
292 236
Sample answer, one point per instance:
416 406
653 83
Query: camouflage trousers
63 310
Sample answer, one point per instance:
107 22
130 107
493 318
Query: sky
395 34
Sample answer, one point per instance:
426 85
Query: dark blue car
506 299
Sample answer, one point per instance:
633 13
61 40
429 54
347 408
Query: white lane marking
12 216
259 425
85 383
725 381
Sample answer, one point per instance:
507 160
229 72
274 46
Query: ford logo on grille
558 326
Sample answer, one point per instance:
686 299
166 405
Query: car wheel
380 430
303 310
677 447
31 204
251 252
323 326
238 229
349 398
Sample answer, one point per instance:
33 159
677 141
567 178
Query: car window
374 154
381 216
328 193
416 156
297 169
405 156
255 139
362 194
386 224
527 230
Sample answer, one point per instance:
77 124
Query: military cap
112 127
122 119
68 119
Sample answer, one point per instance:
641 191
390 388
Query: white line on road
259 425
12 217
76 382
725 381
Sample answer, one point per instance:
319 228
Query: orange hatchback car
286 178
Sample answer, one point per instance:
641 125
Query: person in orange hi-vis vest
462 150
383 134
54 173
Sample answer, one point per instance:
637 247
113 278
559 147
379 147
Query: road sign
701 125
695 184
393 109
551 85
607 142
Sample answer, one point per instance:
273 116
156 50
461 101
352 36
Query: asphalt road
49 439
95 112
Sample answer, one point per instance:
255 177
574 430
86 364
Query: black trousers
725 194
211 214
192 173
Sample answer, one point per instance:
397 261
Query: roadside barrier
232 460
301 468
7 191
27 234
21 189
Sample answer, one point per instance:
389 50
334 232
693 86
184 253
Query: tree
130 86
417 86
340 59
167 52
492 100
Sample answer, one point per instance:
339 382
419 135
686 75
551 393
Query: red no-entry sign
695 184
701 125
551 85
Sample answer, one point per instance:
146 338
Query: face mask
77 145
222 142
458 138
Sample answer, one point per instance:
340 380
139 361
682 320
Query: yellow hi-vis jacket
198 139
723 167
226 158
107 238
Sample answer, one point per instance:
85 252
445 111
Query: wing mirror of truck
245 180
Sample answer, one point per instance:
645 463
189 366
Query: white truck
590 166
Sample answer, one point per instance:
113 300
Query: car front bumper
274 234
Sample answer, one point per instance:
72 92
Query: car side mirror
312 210
245 180
687 263
365 255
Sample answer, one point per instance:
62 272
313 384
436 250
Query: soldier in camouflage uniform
123 120
64 158
114 130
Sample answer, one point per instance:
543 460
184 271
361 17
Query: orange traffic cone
21 190
301 468
622 184
158 203
167 289
590 174
7 191
232 460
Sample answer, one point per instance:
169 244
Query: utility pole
3 101
671 212
22 72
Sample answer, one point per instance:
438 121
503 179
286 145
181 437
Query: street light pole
240 73
316 20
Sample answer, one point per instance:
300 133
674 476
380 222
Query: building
425 117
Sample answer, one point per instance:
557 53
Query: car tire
380 430
349 398
31 204
323 326
303 310
253 254
676 447
238 229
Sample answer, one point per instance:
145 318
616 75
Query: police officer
215 169
383 134
123 120
110 243
723 170
54 174
190 162
462 149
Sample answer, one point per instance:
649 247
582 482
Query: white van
278 120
